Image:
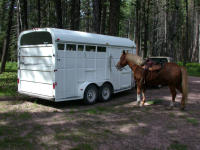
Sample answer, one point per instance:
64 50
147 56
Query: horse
170 74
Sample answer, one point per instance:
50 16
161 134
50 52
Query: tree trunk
65 14
185 53
87 24
97 15
104 16
146 28
75 14
7 40
39 14
25 15
19 22
58 13
196 36
114 15
3 12
137 29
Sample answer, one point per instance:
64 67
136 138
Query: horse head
122 62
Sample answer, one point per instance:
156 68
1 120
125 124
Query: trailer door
35 64
66 76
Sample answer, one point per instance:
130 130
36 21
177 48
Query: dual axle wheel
92 93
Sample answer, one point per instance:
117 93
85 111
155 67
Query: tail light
17 80
54 85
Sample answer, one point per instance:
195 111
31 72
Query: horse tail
184 84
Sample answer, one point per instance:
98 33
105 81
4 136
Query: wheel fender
82 87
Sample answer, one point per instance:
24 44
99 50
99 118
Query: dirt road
115 125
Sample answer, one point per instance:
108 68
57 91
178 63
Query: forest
158 27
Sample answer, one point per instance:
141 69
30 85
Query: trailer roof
84 37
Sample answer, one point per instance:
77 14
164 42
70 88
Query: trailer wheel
105 92
91 94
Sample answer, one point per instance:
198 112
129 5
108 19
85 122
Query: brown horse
170 74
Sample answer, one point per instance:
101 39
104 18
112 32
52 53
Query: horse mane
134 59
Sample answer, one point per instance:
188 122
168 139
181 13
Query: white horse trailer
61 65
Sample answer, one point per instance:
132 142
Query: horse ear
124 52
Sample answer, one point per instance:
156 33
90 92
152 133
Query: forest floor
115 125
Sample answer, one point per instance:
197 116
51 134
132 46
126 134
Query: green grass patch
177 146
14 115
154 102
83 146
8 80
171 114
11 67
193 69
7 130
99 110
144 130
10 114
72 137
193 121
11 139
22 143
24 116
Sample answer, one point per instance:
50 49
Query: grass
8 80
24 116
193 69
83 146
18 116
98 110
177 146
171 114
11 139
16 143
193 121
154 102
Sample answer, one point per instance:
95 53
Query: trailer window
36 38
71 47
90 48
101 49
80 47
61 46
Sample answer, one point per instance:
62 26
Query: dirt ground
115 125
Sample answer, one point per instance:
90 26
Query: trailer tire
90 94
105 92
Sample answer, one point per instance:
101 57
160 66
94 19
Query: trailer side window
101 49
80 47
61 46
90 48
71 47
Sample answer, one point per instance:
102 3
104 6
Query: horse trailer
61 65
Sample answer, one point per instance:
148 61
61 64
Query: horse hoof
141 105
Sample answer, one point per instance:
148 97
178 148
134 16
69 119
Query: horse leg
138 92
143 97
173 93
